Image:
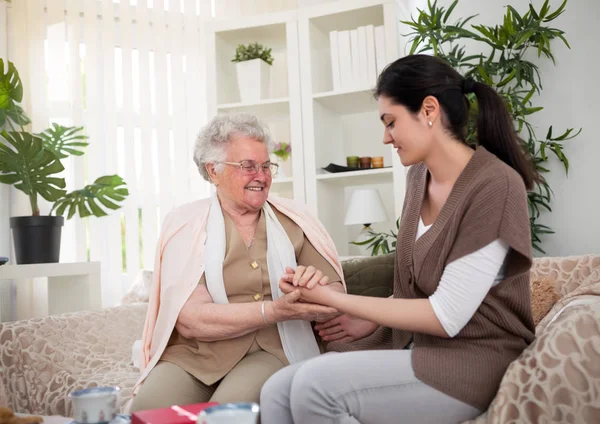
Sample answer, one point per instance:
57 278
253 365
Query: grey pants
368 387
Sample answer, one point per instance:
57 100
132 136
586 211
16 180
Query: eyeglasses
250 167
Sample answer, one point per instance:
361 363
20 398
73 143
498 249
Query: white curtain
133 76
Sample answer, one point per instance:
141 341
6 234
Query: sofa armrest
42 360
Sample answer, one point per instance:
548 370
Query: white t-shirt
465 282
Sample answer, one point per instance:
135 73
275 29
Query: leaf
63 140
564 40
544 10
449 11
526 36
508 79
557 12
11 87
28 165
533 12
516 14
529 95
104 190
532 110
415 44
484 75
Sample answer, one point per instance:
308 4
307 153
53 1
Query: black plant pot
37 238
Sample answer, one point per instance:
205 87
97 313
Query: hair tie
468 85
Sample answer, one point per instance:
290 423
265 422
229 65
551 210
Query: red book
186 414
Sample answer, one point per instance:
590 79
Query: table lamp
365 207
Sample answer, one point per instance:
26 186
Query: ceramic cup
365 162
230 413
95 405
377 162
352 161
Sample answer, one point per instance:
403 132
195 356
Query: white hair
212 140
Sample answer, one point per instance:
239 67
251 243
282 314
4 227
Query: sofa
556 379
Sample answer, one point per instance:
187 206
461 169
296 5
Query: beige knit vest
487 202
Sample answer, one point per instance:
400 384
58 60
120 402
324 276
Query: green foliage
25 163
104 190
32 162
380 242
252 51
505 65
63 140
11 93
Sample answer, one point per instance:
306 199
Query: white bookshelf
282 110
323 123
344 122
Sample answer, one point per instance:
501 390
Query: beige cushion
557 378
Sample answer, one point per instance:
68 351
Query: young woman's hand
345 329
319 294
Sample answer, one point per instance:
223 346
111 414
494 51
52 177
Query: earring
430 124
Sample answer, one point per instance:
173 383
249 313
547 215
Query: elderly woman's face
243 189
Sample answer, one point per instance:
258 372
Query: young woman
435 351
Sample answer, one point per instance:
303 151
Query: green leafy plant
380 242
252 51
32 162
507 67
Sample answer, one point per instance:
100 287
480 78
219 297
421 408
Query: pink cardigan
179 265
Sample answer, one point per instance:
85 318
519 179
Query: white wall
571 90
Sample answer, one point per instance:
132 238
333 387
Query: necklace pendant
254 265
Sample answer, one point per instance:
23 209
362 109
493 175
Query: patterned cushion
568 272
557 378
45 359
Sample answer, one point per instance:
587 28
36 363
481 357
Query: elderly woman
217 325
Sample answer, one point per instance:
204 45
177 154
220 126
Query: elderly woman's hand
304 276
288 307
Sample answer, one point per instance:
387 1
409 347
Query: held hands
345 329
295 304
304 276
289 307
309 282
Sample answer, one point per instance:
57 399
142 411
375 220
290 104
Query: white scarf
297 337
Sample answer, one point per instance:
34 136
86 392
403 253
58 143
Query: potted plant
32 164
282 152
253 63
511 49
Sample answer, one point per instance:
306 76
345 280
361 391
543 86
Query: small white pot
253 80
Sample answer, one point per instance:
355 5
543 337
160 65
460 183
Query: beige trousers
168 384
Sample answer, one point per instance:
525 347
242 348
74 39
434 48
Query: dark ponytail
409 80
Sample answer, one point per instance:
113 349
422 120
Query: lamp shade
365 207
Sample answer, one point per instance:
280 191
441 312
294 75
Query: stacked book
357 57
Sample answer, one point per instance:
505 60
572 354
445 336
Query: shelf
269 107
282 181
372 176
281 100
330 18
348 102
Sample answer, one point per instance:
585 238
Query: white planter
253 80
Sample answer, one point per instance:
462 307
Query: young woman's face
410 134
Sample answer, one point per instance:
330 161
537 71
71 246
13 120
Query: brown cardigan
487 202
